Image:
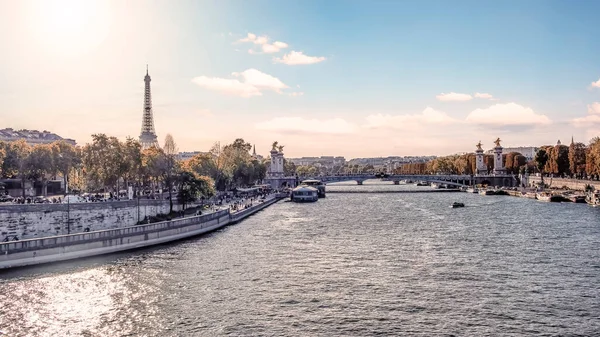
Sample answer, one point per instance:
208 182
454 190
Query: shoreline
50 249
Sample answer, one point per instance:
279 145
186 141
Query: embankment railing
107 234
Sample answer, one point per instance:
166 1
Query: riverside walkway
72 246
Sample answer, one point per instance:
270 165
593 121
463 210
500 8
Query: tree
541 159
593 157
15 161
40 164
132 159
289 168
153 166
2 156
203 164
170 152
66 157
577 158
192 186
104 162
558 159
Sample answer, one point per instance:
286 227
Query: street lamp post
68 215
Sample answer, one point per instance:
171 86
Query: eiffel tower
148 135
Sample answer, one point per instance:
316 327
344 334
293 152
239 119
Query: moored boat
486 192
578 199
593 198
544 196
318 184
472 190
304 193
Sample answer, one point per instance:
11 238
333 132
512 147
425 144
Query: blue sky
379 77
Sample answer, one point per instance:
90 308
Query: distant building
256 156
32 137
389 162
188 155
527 151
328 162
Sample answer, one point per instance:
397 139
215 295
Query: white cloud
280 44
297 57
593 117
270 48
261 80
427 116
295 94
485 96
250 38
453 97
254 81
594 108
302 125
263 41
509 114
596 84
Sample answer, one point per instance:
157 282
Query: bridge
448 179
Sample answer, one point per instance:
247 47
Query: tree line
577 160
107 164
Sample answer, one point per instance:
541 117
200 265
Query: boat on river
472 190
487 192
304 193
593 198
457 205
544 196
318 184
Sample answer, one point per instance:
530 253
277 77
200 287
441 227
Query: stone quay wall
42 220
572 184
66 247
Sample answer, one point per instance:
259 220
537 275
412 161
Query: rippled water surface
350 264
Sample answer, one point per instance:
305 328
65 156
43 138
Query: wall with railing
63 247
25 221
239 215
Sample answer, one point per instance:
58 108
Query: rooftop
32 136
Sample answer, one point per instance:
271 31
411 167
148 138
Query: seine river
349 265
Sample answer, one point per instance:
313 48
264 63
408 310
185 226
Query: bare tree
170 150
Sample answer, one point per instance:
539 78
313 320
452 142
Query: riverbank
66 247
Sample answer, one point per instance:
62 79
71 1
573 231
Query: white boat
487 192
304 193
544 196
472 190
318 184
435 185
593 199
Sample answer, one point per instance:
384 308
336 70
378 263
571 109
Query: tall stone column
274 163
498 165
480 166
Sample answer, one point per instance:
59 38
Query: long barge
67 247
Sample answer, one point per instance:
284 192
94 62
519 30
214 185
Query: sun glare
71 27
